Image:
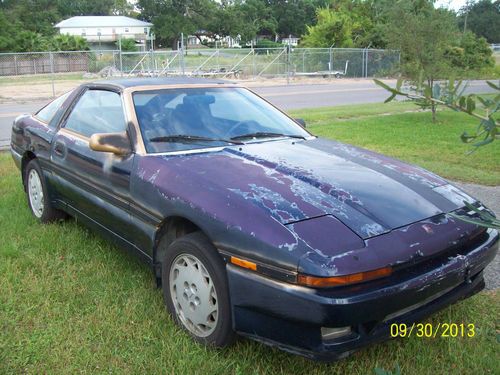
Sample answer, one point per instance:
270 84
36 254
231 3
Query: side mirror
301 122
117 143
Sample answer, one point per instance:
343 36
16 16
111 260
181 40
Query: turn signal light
325 282
244 263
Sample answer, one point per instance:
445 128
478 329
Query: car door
94 185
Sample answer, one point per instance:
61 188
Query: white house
105 29
194 41
293 41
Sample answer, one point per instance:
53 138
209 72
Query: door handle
59 149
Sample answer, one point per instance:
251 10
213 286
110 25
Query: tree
173 17
472 53
483 19
69 8
127 45
424 35
64 42
332 29
37 16
343 24
292 16
256 18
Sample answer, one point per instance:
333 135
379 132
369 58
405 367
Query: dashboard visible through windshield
191 118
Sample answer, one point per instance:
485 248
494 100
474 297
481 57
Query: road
294 96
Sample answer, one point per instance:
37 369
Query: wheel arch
172 227
27 157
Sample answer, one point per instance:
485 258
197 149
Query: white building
194 41
105 29
293 41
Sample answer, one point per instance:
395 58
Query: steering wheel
245 124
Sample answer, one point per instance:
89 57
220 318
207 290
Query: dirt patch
35 91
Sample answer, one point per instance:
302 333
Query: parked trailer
325 73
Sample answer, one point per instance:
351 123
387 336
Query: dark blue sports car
250 224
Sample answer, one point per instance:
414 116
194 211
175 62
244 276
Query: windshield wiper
191 138
266 135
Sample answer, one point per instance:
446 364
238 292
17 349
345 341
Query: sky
451 4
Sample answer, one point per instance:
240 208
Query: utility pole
466 9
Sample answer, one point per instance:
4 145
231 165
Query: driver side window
97 111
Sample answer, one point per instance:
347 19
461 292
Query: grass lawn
70 302
397 130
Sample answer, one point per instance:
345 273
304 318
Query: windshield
191 118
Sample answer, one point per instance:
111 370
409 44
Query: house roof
102 21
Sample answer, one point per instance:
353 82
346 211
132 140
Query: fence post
366 62
218 60
52 73
362 63
120 53
254 70
183 66
330 64
303 61
289 49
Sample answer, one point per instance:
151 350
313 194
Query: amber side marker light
244 263
325 282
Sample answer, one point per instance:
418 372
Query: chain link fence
242 63
246 62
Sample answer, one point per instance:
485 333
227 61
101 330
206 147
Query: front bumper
291 316
16 156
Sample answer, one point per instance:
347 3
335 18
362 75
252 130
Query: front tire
37 194
195 289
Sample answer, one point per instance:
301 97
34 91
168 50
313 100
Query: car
251 224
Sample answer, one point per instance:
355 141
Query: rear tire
38 196
195 289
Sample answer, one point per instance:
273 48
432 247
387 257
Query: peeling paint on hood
291 181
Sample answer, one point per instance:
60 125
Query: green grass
410 136
70 302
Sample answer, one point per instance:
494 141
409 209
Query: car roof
123 83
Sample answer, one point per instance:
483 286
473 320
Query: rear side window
97 111
47 113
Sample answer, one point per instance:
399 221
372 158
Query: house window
113 30
84 32
146 30
126 29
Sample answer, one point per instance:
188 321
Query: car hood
370 193
293 181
